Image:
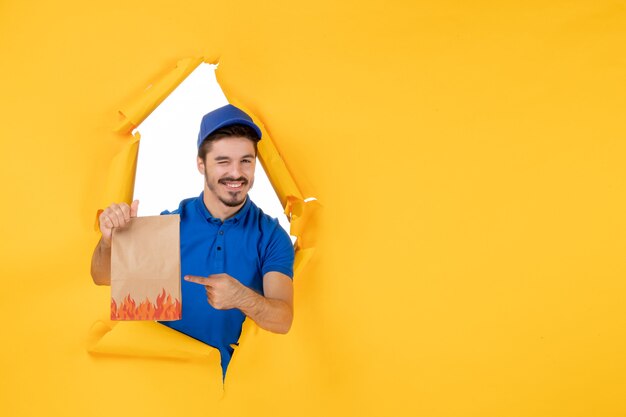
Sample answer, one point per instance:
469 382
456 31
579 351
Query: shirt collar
234 219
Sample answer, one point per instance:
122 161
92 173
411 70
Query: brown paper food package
145 269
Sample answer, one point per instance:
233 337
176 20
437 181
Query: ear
200 164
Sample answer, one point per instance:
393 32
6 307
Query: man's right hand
116 215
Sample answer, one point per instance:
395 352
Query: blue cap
222 117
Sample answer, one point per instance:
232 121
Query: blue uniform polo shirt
245 246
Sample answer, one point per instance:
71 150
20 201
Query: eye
246 161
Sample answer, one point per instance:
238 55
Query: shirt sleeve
279 255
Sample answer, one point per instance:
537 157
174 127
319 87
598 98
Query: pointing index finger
198 280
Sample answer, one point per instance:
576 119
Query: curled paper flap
139 109
303 256
121 176
277 172
146 339
299 213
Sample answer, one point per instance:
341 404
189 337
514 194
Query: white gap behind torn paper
166 164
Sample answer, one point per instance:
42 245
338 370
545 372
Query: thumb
133 208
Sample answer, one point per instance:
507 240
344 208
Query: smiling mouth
233 185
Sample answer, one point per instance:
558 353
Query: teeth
231 185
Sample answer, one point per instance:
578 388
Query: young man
236 261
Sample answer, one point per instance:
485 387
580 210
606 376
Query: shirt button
221 232
219 248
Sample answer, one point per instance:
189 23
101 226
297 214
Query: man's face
228 169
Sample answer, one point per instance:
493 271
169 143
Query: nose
237 170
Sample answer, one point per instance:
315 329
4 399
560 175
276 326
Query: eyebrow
226 158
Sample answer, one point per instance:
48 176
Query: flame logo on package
165 308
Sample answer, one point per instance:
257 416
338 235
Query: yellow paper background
469 254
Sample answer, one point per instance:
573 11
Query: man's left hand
223 291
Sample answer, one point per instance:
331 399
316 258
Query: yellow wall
469 159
